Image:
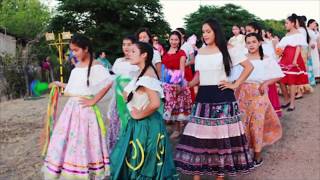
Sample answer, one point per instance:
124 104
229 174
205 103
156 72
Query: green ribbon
121 82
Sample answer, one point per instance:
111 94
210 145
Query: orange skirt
261 123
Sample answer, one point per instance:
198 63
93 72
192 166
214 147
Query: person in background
157 45
48 69
291 62
237 40
243 30
314 54
104 61
144 35
189 51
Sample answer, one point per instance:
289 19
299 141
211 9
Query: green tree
106 22
27 20
277 26
228 15
24 18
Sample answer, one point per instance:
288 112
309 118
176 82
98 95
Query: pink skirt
77 149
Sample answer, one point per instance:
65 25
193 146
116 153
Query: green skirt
143 151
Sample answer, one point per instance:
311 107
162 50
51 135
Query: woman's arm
192 60
195 81
265 84
158 68
295 58
247 69
153 105
90 102
182 64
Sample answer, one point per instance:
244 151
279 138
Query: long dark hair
83 42
177 33
310 22
270 30
293 18
256 26
221 43
236 25
131 38
260 47
144 48
302 23
183 32
146 30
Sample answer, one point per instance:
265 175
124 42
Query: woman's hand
178 89
55 83
226 85
263 88
295 63
313 46
135 113
85 102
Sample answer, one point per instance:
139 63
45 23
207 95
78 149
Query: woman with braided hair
143 151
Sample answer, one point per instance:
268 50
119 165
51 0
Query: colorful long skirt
262 125
77 148
294 75
312 80
114 127
315 61
177 106
214 141
143 151
274 99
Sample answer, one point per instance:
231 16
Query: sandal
286 105
257 163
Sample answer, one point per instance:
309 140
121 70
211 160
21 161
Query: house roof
4 31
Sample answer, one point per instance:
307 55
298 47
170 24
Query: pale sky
176 10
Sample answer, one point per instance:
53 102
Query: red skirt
274 99
189 77
294 75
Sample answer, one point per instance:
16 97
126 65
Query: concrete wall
7 44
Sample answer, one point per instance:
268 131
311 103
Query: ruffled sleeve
156 57
196 63
263 70
99 78
151 83
273 69
293 40
130 86
237 56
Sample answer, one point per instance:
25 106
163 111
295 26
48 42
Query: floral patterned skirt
262 125
77 149
177 106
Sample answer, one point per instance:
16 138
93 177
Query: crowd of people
221 100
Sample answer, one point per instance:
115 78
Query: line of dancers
222 114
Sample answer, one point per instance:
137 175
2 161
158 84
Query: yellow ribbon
100 120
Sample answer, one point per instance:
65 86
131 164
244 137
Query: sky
176 10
